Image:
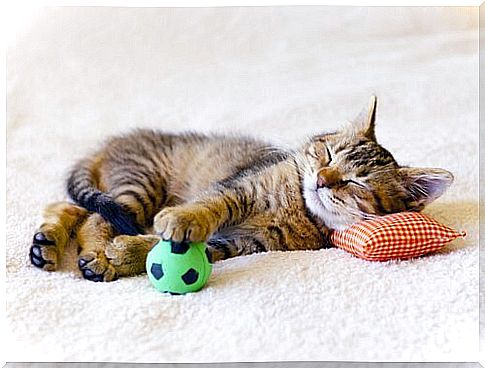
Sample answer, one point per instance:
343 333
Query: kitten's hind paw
43 252
95 267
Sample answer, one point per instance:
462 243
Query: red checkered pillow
397 236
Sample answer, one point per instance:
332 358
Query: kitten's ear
424 185
364 123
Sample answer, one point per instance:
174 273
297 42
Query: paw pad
91 270
91 276
35 254
82 262
39 238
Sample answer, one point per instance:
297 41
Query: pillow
398 236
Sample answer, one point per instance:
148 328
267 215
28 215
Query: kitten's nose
321 182
328 177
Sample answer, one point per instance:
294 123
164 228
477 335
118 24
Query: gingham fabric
398 236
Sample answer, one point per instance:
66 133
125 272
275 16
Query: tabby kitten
239 194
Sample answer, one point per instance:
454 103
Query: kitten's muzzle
328 177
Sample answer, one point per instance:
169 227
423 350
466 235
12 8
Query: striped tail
82 188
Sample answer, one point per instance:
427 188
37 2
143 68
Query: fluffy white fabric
77 75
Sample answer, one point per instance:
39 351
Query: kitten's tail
82 188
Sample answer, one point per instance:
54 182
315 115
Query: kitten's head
349 177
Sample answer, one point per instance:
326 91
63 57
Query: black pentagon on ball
190 276
179 248
209 255
157 270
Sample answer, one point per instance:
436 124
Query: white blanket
76 75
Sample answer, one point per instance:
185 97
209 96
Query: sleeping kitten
239 194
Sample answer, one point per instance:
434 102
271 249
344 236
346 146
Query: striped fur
239 194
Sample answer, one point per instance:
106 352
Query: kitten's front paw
184 223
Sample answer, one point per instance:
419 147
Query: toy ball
178 268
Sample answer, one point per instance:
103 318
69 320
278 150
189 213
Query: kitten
240 195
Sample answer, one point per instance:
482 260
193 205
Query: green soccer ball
178 268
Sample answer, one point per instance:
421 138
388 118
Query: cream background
76 75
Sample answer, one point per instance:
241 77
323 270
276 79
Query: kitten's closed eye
350 181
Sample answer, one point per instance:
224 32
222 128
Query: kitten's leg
197 221
93 237
221 248
60 220
104 258
127 254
